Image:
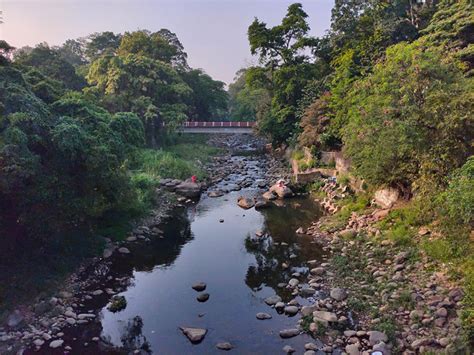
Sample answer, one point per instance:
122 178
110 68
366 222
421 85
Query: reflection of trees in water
268 270
132 337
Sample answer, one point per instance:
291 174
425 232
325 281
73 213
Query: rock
300 230
339 294
245 202
195 335
416 314
97 293
310 346
348 234
86 316
123 250
288 349
282 191
199 286
307 310
441 312
38 342
386 198
353 349
224 346
376 337
419 343
291 310
117 304
349 333
269 196
317 271
307 291
272 300
56 343
279 305
444 342
216 193
401 257
189 189
107 253
309 352
202 297
131 239
381 348
15 319
43 307
324 316
293 283
70 321
289 333
263 316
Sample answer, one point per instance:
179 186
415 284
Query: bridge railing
217 124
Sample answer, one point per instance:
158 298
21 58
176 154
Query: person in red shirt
194 178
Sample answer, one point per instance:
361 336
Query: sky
213 32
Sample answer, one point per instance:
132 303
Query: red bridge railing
218 124
215 124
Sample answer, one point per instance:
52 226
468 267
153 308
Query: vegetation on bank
391 87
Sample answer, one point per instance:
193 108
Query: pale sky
213 32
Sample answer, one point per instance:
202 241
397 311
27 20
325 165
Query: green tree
408 122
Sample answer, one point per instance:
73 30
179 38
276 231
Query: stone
15 319
309 352
317 271
291 310
124 250
117 304
349 333
188 189
443 342
269 196
70 321
97 293
216 193
416 314
224 346
353 349
376 337
107 253
307 310
272 300
195 335
307 291
261 204
339 294
263 316
202 297
386 197
441 312
38 342
279 305
199 286
289 333
310 346
245 202
324 316
56 343
281 190
83 316
419 343
293 282
288 349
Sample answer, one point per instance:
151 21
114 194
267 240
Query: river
214 241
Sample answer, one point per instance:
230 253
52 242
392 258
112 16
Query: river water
239 268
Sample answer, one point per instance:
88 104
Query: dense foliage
74 124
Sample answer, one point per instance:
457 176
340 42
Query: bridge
216 127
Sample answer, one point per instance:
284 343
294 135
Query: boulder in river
270 196
199 286
189 189
224 346
117 304
281 190
202 297
195 335
261 203
289 333
263 316
245 202
272 300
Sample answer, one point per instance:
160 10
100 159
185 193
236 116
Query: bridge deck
216 127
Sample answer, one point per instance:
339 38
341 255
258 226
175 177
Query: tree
408 122
49 61
137 80
208 100
5 52
285 72
98 44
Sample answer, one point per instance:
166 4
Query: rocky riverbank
375 295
